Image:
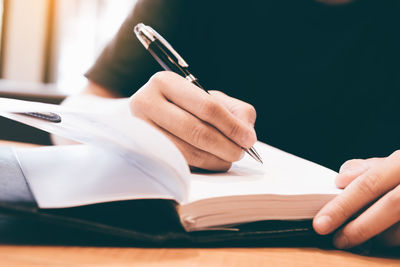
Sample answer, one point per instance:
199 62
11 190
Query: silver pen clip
46 116
147 34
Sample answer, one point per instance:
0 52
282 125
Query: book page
281 174
119 133
75 175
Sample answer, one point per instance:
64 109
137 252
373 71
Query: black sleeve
124 65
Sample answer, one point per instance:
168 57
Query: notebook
121 159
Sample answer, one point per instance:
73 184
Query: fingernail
323 224
341 242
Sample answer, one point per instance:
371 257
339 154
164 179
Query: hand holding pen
210 128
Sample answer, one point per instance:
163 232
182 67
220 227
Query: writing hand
209 129
374 182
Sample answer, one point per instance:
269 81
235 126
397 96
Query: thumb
240 109
351 169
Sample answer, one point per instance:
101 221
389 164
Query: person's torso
324 80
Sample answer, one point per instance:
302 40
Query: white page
119 133
75 175
281 173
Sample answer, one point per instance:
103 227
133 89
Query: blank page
75 175
281 174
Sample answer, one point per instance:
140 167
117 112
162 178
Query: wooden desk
112 256
89 256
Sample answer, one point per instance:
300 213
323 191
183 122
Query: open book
121 158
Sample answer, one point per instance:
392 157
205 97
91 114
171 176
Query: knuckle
159 79
370 184
251 111
201 136
209 108
236 131
341 209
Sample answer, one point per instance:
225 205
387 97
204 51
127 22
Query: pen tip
259 160
253 153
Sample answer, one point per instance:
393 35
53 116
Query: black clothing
324 79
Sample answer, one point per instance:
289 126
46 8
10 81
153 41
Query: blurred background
45 48
47 45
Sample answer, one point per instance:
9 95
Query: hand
374 182
209 129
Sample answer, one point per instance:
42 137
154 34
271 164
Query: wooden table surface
11 255
91 256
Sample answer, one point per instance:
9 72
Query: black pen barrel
169 62
166 59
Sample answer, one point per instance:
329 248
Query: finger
351 169
194 156
380 216
390 237
188 128
205 107
242 110
199 158
369 186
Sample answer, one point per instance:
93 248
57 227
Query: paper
281 174
75 175
119 133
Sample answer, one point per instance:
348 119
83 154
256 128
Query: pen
46 116
170 60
